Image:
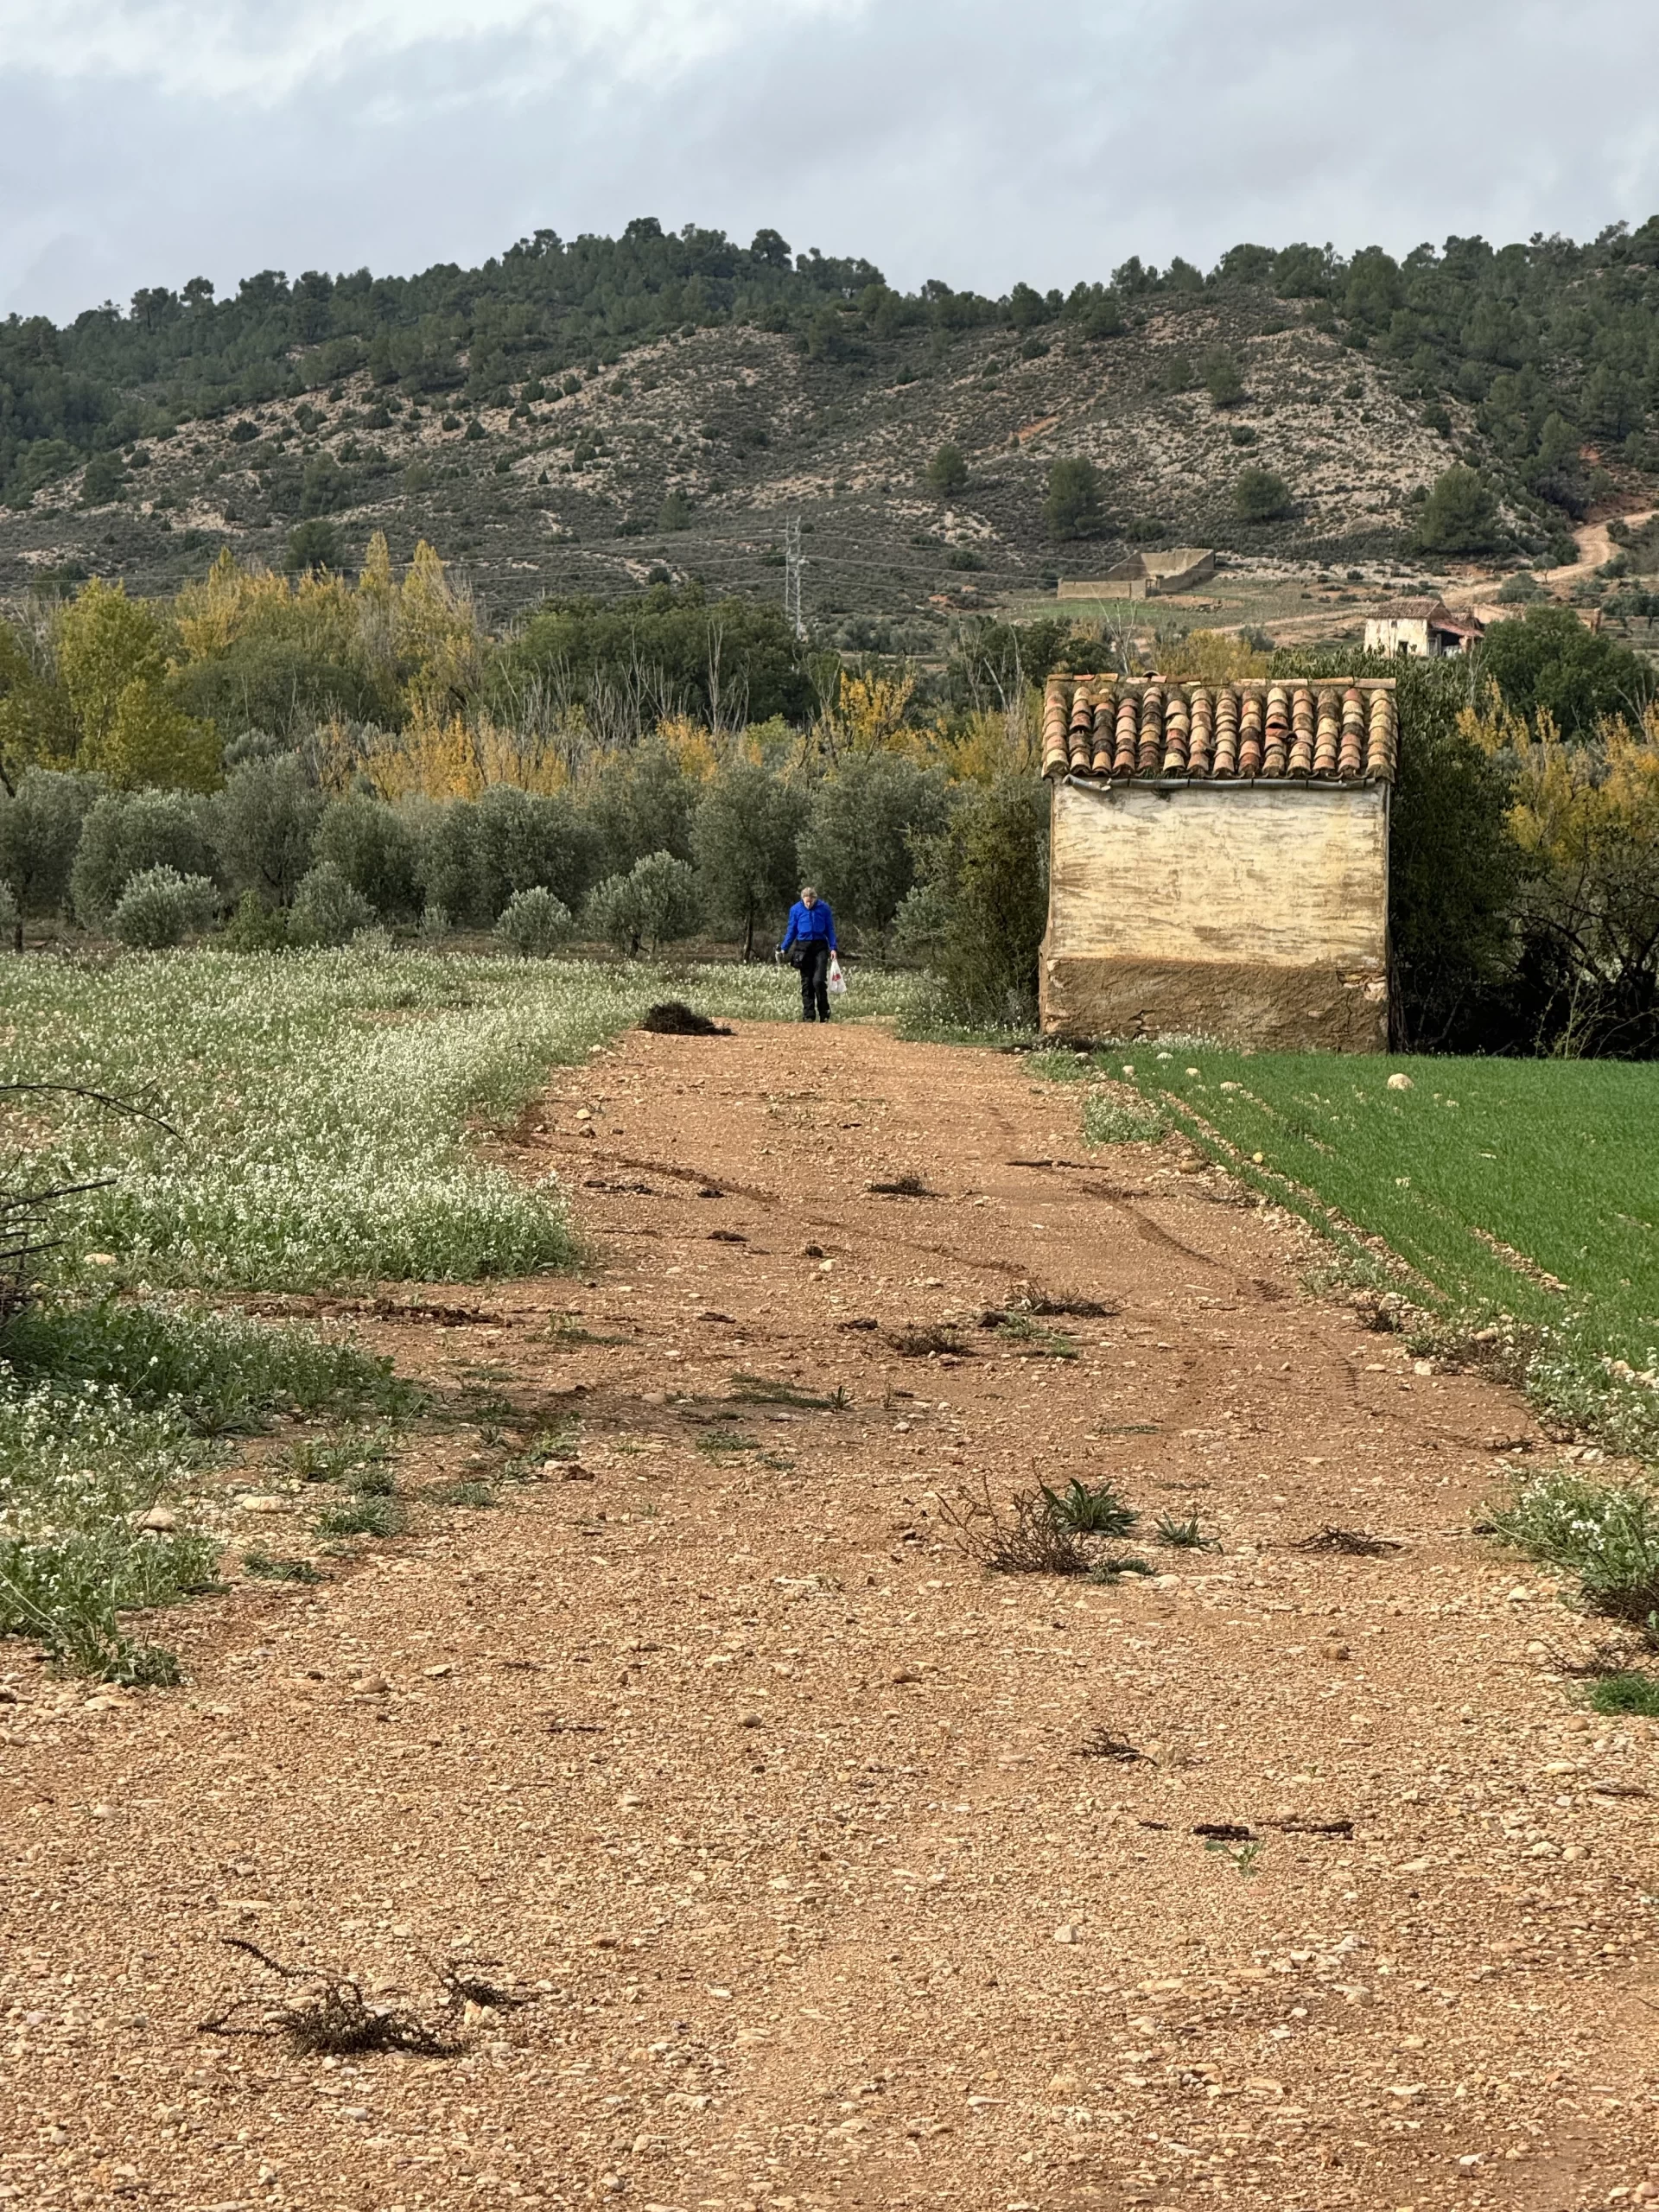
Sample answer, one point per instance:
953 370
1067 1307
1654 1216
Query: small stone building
1219 862
1147 575
1424 629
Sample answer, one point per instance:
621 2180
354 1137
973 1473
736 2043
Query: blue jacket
809 925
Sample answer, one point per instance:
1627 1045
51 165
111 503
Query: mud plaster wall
1246 912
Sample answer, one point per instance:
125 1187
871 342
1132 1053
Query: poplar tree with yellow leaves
114 657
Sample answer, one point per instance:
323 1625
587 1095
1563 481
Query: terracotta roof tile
1107 726
1410 610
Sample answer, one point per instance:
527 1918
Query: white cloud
252 50
143 141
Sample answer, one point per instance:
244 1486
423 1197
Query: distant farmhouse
1219 862
1425 629
1148 576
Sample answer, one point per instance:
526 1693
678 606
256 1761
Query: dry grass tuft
1353 1544
1022 1537
331 2016
921 1339
902 1186
1101 1744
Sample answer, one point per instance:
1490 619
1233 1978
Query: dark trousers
815 981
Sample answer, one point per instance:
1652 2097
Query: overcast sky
148 141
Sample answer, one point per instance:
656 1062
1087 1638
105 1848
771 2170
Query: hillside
567 494
822 395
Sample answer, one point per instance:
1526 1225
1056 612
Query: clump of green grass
1063 1067
478 1496
356 1457
525 1465
222 1373
67 1593
1606 1535
360 1515
80 1465
1022 1537
1035 1341
567 1331
924 1340
1089 1511
1106 1120
142 1666
1629 1691
1114 1570
1182 1535
268 1568
717 1441
772 1391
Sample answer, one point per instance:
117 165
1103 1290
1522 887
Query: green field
1522 1187
1556 1159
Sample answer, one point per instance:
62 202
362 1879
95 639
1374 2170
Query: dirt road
1595 545
807 1830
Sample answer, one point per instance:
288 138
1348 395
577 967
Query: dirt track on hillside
789 1809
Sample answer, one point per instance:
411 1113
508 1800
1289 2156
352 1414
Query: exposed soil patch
845 1871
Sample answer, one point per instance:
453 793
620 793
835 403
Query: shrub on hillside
1522 589
1222 377
534 923
1261 495
11 918
1073 507
1459 515
947 473
313 544
160 907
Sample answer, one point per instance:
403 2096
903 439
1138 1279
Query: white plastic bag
837 982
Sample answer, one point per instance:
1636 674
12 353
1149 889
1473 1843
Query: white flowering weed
1606 1534
79 1465
322 1102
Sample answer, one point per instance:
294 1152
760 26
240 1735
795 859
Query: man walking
812 928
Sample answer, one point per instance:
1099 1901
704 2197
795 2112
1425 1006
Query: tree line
291 759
